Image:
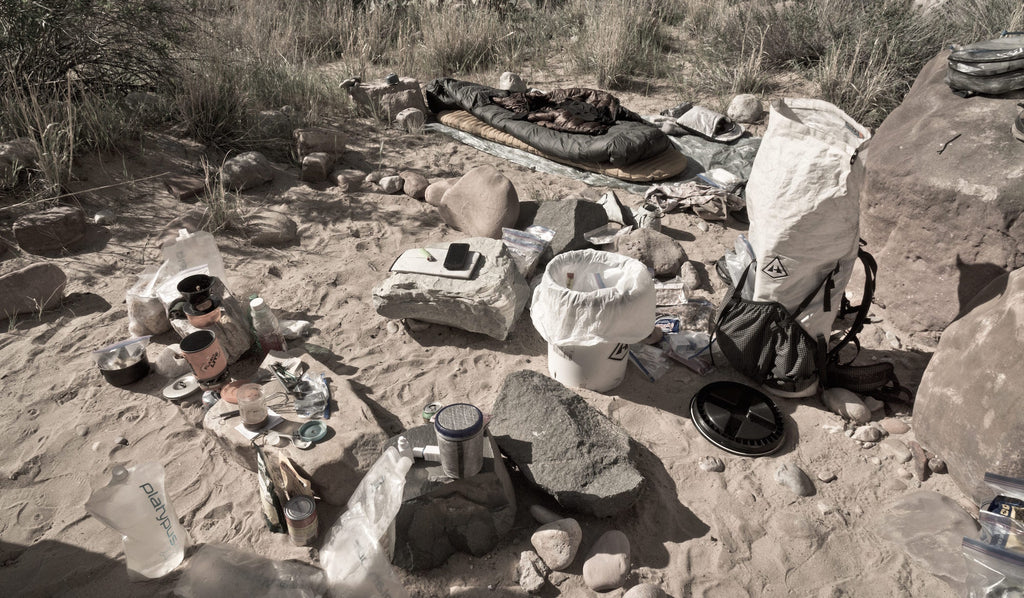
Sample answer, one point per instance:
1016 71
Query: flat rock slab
565 446
942 225
440 516
570 218
319 140
50 230
185 187
489 302
968 409
336 464
929 527
32 289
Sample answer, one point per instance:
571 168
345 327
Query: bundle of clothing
573 110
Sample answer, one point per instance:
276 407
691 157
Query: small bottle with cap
266 326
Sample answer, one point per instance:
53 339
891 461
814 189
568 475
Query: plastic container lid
738 418
257 303
458 421
313 431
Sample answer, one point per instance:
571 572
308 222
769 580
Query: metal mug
204 354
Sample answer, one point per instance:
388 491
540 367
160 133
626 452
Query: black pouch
762 340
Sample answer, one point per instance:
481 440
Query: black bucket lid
738 418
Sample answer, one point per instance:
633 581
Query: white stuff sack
803 200
612 300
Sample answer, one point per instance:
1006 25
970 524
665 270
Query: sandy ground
696 533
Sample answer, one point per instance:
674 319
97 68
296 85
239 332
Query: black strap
870 273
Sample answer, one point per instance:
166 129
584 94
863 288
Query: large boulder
565 446
31 290
942 225
50 230
481 203
489 302
968 409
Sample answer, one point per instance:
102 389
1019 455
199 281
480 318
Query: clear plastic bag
134 503
651 361
527 246
356 555
146 314
736 263
992 572
217 570
589 297
1002 521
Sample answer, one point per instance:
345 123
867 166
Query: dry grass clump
213 65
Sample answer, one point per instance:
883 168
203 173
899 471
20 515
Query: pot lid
738 418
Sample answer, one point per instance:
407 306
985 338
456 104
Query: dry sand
696 533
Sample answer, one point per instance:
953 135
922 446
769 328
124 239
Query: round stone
608 564
792 477
557 542
644 590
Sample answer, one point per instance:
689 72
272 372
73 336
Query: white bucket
599 367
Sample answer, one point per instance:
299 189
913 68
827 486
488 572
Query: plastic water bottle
134 503
266 326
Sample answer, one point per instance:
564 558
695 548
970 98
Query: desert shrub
460 40
114 44
619 40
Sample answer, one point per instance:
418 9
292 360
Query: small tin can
300 513
430 410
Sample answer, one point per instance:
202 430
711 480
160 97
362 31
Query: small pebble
867 434
703 226
391 184
875 461
645 590
82 430
531 571
937 465
557 578
832 428
868 445
556 543
121 440
104 217
689 276
849 433
95 446
894 426
608 564
712 464
825 509
393 327
897 449
792 477
827 477
903 473
847 404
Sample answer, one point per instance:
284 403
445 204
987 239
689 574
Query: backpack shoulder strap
861 310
